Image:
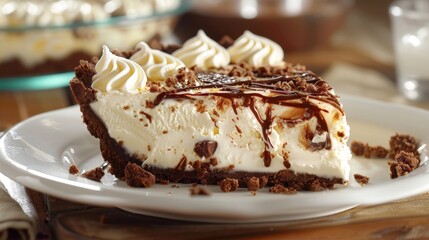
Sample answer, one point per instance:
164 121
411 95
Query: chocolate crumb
359 149
402 142
73 169
228 185
136 176
199 191
95 174
253 184
164 181
379 152
253 193
362 180
194 184
175 186
205 148
403 163
241 70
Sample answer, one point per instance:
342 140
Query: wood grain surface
405 219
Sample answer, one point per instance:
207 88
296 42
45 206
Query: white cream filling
175 126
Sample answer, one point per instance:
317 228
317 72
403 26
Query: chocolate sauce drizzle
148 116
288 90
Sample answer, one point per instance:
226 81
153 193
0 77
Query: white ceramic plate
38 152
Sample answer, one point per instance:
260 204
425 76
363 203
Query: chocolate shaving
205 148
179 170
182 164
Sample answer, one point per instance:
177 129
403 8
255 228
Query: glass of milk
410 25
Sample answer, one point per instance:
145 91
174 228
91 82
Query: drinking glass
410 26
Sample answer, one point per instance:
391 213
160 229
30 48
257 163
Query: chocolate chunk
205 148
136 176
95 174
253 184
182 164
228 185
361 179
73 169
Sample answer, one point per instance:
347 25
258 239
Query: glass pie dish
42 41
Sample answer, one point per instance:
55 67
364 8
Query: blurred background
346 41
